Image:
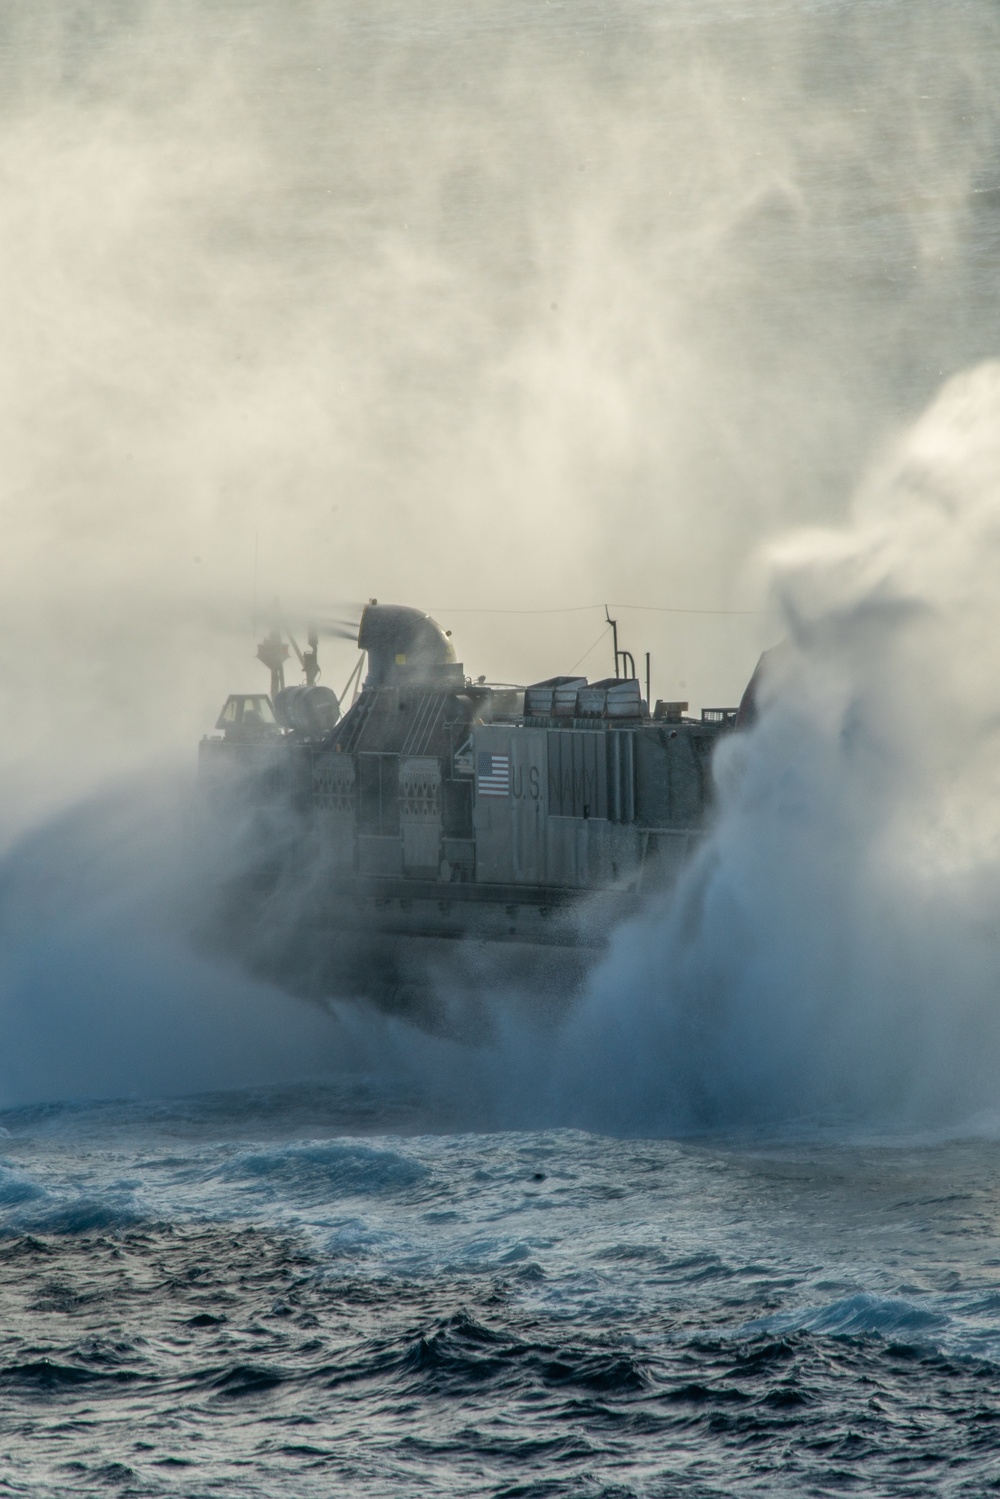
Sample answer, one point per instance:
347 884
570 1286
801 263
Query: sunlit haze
478 308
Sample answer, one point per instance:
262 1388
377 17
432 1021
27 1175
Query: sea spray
834 951
102 990
831 955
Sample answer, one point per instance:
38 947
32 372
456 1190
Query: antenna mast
273 652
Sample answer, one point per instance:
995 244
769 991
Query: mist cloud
472 309
833 953
457 308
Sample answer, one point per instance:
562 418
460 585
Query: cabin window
247 710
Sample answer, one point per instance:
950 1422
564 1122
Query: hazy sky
465 305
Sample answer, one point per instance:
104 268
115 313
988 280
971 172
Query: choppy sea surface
300 1292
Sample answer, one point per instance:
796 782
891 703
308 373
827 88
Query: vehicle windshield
248 711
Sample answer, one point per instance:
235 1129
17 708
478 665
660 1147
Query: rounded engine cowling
311 711
405 645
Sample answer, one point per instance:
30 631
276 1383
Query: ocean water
290 1292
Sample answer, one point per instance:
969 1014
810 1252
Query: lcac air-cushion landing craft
443 834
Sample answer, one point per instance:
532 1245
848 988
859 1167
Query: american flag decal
493 777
